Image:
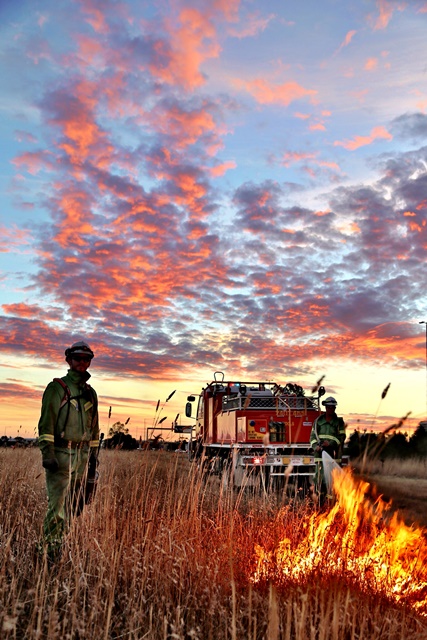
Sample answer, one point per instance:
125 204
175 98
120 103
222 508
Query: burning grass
162 553
356 541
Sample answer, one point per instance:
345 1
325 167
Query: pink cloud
95 16
42 19
12 237
35 161
254 24
222 168
192 41
77 119
269 93
371 64
291 157
386 10
348 38
23 310
360 95
362 141
190 192
74 206
11 391
90 49
329 165
317 126
318 123
186 127
229 9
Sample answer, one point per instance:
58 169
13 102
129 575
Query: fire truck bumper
280 465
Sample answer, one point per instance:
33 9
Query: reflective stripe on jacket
334 431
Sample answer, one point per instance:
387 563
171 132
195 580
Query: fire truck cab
254 429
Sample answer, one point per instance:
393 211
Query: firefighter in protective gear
69 441
327 434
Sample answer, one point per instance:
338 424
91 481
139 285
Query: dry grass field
404 483
163 553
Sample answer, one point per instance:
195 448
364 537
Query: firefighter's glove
51 464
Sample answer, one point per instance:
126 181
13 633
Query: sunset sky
214 185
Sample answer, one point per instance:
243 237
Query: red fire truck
254 429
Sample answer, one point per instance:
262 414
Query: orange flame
356 540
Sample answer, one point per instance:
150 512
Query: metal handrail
281 403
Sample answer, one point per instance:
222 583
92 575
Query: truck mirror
321 392
188 408
191 398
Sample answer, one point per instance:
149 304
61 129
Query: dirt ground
407 495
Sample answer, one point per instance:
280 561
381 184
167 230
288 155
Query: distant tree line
381 445
388 445
19 441
120 438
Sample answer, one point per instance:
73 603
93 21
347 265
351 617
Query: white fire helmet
330 401
79 347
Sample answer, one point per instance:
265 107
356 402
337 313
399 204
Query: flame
357 540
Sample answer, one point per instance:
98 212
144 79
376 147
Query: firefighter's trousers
65 492
319 476
321 493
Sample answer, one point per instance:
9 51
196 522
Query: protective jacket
333 431
69 415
